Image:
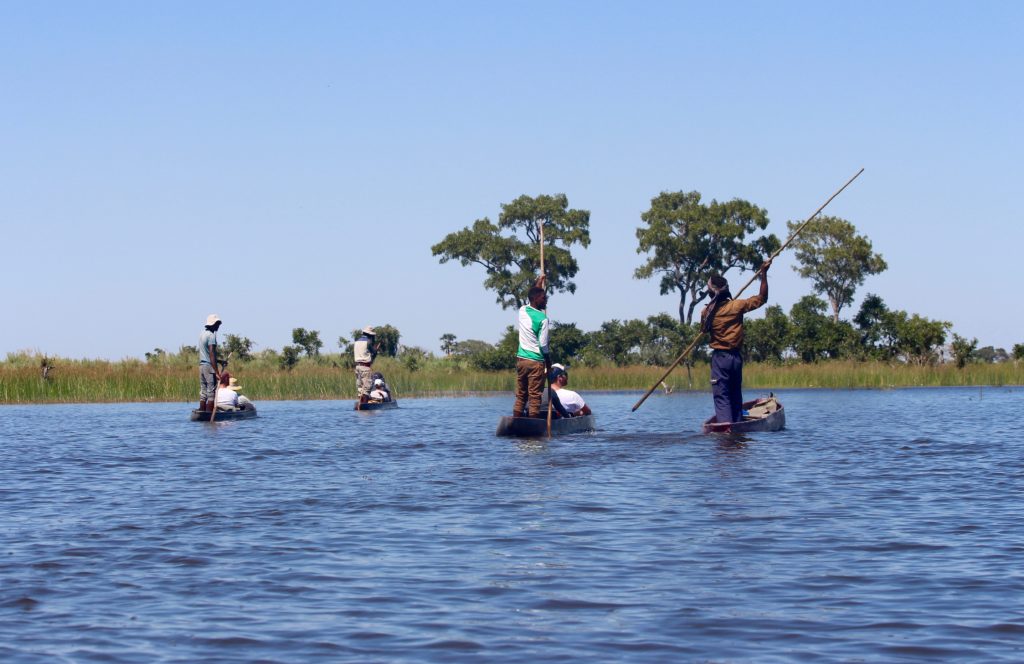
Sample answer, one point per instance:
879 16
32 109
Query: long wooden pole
700 334
547 375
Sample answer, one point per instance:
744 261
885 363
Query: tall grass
78 381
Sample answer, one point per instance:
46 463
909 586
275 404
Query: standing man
533 360
365 352
208 375
722 319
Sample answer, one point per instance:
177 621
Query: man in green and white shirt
532 360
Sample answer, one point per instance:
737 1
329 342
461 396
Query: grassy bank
77 381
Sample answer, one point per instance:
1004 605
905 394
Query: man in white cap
208 374
365 352
572 403
379 391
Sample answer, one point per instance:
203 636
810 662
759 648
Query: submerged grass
82 381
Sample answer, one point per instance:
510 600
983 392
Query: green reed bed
72 381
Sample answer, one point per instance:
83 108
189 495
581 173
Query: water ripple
315 533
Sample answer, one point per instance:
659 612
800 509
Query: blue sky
290 164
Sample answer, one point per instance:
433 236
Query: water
881 526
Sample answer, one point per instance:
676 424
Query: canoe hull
223 415
775 421
385 405
534 427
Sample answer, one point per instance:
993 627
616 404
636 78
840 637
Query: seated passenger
567 403
227 398
380 391
243 401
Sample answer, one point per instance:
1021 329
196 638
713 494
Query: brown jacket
727 328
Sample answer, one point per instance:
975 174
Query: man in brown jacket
722 319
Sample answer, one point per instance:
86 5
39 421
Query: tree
992 355
448 343
963 350
500 357
835 258
290 357
815 336
689 241
307 340
870 320
512 263
566 341
413 357
471 347
914 338
156 356
620 341
240 348
766 339
1018 352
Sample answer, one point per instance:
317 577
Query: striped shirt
533 333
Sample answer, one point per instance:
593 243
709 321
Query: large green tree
509 251
766 339
835 259
687 241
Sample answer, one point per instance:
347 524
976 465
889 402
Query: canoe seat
763 408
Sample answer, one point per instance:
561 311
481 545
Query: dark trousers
727 385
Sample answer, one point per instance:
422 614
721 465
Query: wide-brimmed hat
233 384
378 382
369 330
212 319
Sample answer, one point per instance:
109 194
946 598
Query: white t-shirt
226 397
570 400
378 393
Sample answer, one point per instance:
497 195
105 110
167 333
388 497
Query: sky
290 164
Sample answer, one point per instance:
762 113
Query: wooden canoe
766 414
379 405
537 427
223 415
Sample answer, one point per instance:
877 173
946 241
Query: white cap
212 319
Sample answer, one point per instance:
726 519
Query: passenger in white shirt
379 391
571 401
227 398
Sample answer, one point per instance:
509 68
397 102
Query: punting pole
547 375
700 334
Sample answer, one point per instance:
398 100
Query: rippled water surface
879 526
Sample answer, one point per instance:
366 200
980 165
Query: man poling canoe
364 352
533 359
722 320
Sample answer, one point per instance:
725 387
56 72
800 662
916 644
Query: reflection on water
316 533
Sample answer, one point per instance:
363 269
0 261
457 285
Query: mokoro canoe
537 427
383 405
765 414
223 415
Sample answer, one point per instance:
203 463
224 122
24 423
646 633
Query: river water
880 526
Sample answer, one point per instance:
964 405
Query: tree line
682 241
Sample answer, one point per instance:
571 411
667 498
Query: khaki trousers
530 376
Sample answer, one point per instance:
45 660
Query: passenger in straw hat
208 374
228 395
365 352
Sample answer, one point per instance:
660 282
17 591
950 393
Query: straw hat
369 330
212 319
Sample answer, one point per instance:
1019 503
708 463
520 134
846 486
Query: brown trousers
530 376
